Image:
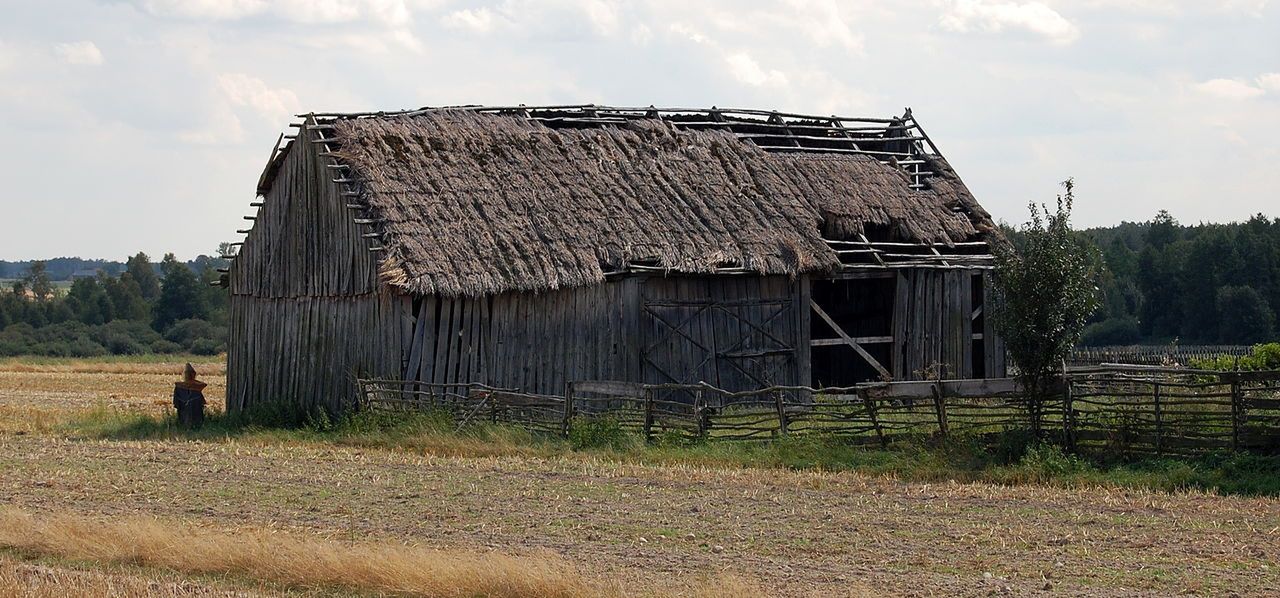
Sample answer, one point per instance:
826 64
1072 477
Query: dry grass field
245 509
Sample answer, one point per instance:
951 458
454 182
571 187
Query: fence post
1068 411
568 409
1155 391
940 406
648 414
875 420
697 413
1237 411
782 412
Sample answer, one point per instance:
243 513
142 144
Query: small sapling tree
1046 289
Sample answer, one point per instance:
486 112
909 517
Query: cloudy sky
143 125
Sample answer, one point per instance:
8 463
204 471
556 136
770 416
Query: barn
527 247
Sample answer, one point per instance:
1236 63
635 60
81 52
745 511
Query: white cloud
202 9
1229 89
994 16
394 13
479 20
822 21
274 105
223 127
80 53
744 68
1269 82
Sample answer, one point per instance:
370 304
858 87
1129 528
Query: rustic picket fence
1116 410
1159 355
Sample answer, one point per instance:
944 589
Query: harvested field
658 529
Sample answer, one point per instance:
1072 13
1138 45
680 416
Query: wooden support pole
1155 393
648 415
1068 411
875 420
782 412
1237 412
568 410
940 406
697 412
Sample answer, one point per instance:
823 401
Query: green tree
1211 262
180 298
86 299
1244 316
1045 293
144 274
37 279
126 299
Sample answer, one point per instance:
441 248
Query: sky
142 125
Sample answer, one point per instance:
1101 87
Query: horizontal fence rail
1119 410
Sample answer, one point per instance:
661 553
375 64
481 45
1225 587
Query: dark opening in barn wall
978 317
857 311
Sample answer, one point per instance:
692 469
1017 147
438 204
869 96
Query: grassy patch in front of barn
1008 458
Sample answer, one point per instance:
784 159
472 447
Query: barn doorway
851 329
736 334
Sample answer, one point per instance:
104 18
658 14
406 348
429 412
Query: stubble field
623 529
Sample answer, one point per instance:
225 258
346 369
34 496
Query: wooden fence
1116 410
1161 355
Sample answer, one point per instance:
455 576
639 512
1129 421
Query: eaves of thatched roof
469 202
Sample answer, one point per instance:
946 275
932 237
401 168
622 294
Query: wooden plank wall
306 312
735 332
541 342
531 342
307 351
933 327
994 356
304 241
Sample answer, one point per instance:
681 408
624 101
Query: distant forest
1199 284
119 308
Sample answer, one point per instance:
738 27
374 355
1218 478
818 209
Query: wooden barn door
735 334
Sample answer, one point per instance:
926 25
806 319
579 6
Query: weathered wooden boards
936 329
738 332
307 315
307 351
304 241
536 342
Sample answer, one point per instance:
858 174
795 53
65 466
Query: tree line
170 307
1162 281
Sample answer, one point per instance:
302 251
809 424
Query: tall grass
292 561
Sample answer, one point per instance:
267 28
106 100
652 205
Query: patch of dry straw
291 561
42 581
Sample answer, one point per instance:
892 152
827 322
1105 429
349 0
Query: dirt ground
795 533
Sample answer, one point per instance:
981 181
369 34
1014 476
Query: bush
163 346
1260 358
599 433
197 336
1112 331
205 346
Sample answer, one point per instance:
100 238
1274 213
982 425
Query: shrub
205 346
190 333
599 432
163 346
1112 331
1261 357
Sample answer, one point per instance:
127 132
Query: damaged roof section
474 201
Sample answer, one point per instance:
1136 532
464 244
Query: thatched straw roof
472 203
